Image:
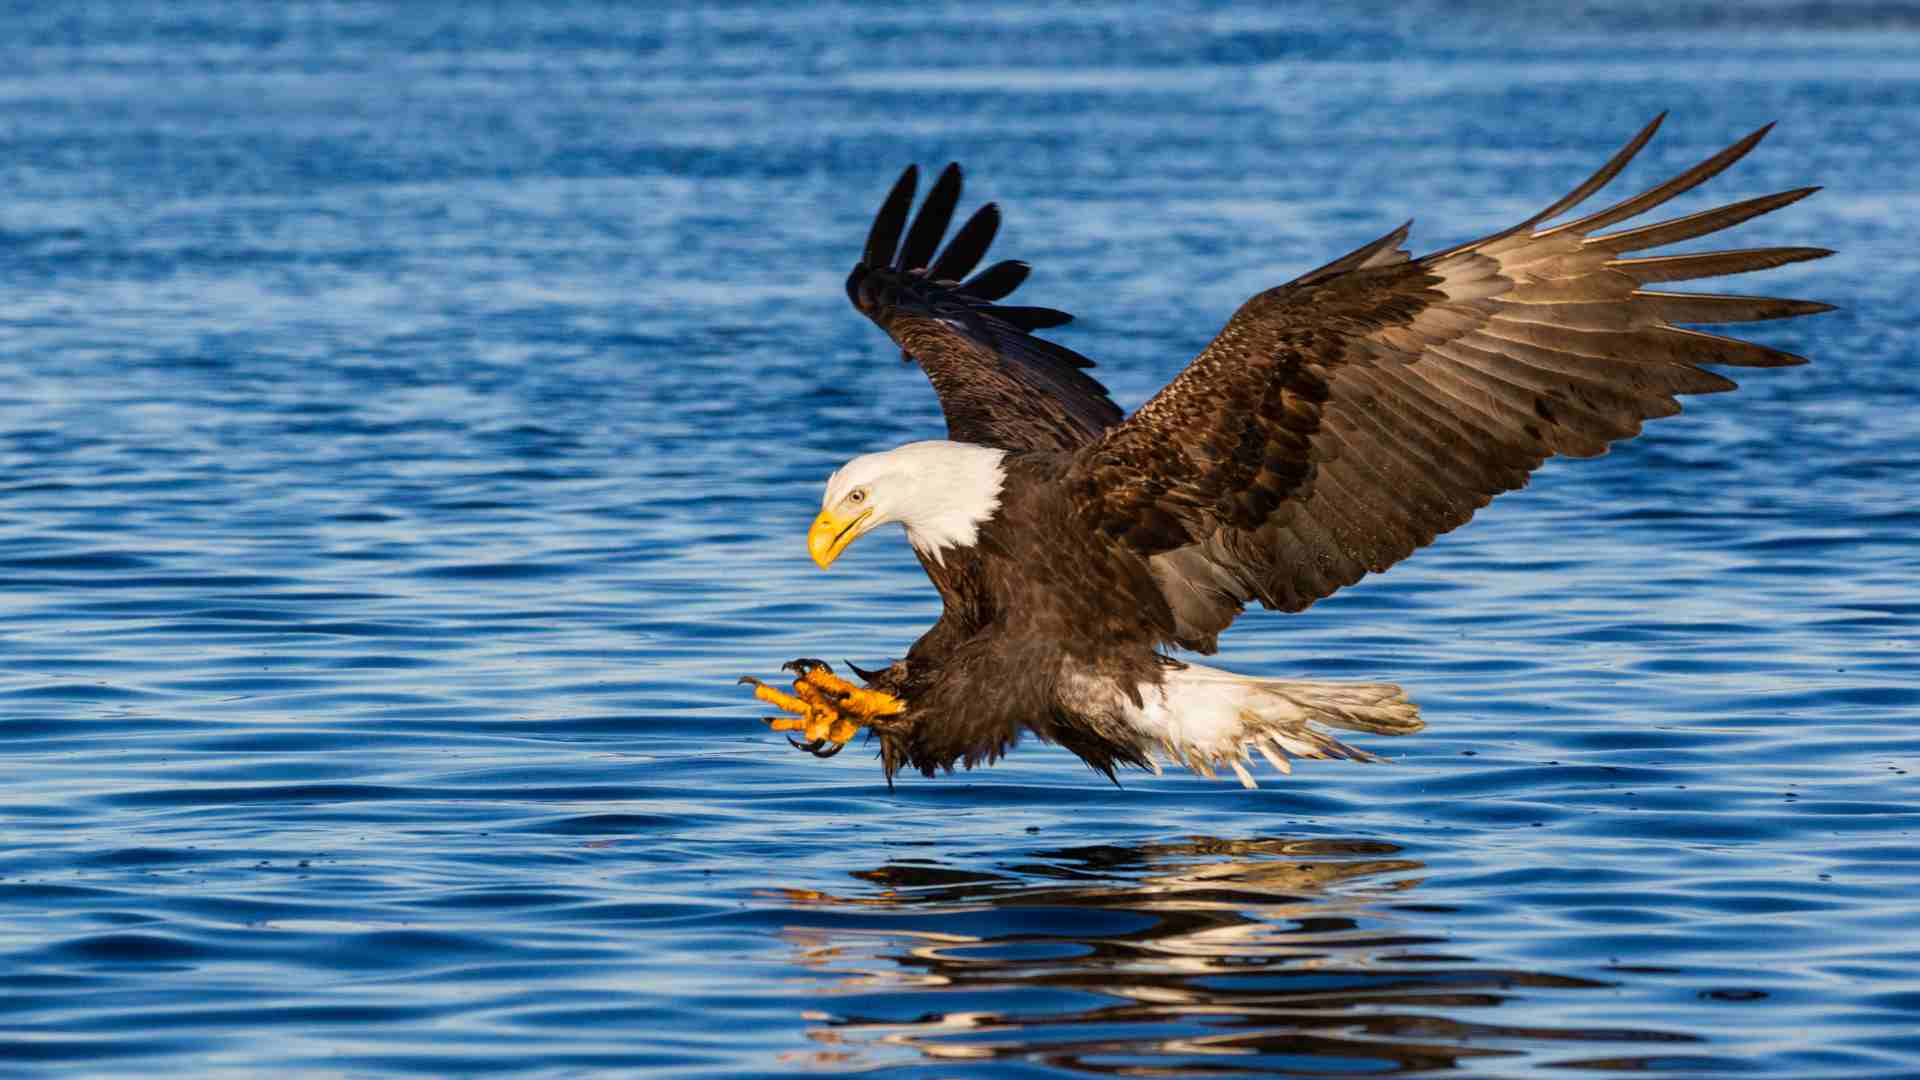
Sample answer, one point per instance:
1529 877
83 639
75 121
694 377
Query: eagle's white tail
1206 718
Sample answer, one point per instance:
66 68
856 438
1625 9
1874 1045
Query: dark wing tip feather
930 224
996 281
1720 308
1600 178
968 246
1706 348
1674 230
1708 264
1660 193
998 384
884 237
1029 318
923 278
854 278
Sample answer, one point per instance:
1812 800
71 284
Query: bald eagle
1337 423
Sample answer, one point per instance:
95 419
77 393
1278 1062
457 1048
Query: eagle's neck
956 489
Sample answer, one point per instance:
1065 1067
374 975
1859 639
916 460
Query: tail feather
1208 719
1380 708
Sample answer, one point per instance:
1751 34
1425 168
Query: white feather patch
1207 718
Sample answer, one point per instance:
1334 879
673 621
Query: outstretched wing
1341 421
998 384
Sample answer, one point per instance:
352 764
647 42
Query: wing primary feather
997 281
1055 351
1663 233
968 246
1654 196
1622 369
1600 178
930 224
1030 318
884 236
1700 347
1717 308
1707 264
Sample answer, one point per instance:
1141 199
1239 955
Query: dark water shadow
1192 957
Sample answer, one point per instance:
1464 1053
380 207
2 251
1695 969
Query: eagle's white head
941 491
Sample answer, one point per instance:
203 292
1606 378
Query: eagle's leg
826 709
813 715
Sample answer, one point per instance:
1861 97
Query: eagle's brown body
1038 595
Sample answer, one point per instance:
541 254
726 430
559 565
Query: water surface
410 418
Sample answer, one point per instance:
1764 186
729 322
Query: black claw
819 748
748 680
865 675
803 665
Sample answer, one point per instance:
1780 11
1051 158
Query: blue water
409 422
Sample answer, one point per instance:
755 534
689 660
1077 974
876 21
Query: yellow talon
814 697
872 703
854 699
827 710
782 700
823 715
826 680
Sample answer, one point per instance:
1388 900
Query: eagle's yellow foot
813 715
827 710
857 700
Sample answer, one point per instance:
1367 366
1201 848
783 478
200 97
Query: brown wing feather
998 384
1343 420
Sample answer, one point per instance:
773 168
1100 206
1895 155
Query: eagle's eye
857 496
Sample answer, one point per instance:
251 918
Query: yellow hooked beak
831 534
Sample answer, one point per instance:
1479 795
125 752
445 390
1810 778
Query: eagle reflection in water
1242 957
